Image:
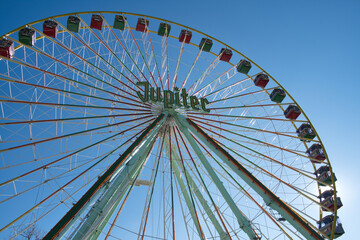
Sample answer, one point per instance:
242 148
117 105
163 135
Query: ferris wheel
123 126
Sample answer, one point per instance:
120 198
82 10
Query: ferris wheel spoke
243 220
48 197
165 61
180 164
16 121
106 63
44 214
148 134
308 216
297 189
51 178
261 154
222 206
205 74
272 160
233 96
29 139
294 232
106 45
249 106
71 153
133 54
69 79
154 56
71 105
148 54
182 210
141 54
171 185
254 107
50 89
188 202
136 57
201 198
89 63
155 173
166 195
241 188
244 136
126 198
195 118
222 234
254 183
128 54
94 223
253 103
63 166
220 80
75 70
191 69
228 92
119 211
178 64
76 152
244 117
71 134
34 160
204 220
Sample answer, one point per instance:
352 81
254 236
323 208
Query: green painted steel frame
104 207
244 222
74 211
188 198
178 168
269 197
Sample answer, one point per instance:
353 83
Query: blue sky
310 47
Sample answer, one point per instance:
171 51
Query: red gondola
96 22
316 152
185 35
261 80
50 28
292 112
142 25
225 54
6 48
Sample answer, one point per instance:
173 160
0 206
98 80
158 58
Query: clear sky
310 47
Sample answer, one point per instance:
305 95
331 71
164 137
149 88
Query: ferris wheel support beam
244 222
73 214
186 194
178 167
105 206
269 197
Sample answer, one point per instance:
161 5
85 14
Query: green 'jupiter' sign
171 99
